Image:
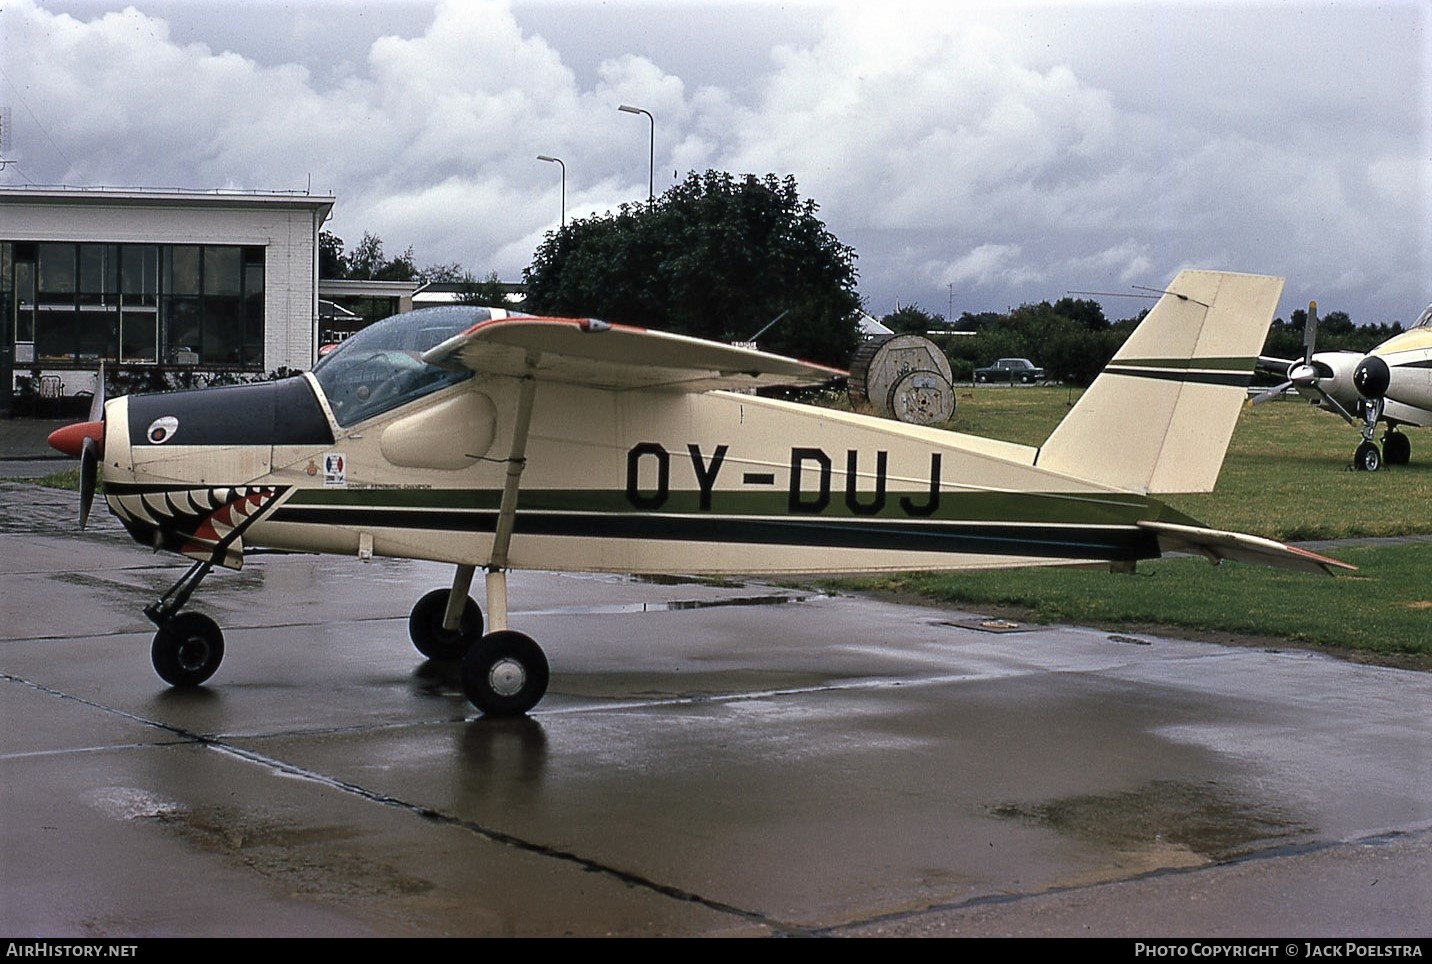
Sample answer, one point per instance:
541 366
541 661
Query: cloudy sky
999 153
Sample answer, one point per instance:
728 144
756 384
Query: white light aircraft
491 441
1391 384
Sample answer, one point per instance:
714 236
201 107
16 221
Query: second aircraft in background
1391 384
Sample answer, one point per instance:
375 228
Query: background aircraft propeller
1303 374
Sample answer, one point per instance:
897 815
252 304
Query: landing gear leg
1368 458
505 673
188 648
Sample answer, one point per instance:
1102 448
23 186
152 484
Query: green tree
1071 339
911 319
490 291
716 256
1336 332
453 273
332 262
366 262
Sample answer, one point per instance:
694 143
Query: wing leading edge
618 357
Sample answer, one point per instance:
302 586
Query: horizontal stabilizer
618 357
1217 545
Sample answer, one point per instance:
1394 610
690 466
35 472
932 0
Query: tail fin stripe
1236 379
1236 363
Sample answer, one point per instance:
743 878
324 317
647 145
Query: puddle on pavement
1167 822
309 861
656 579
672 605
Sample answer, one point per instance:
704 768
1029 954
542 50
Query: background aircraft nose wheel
425 627
505 673
187 649
1396 448
1367 458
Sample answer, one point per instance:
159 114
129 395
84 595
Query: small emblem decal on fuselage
335 469
162 430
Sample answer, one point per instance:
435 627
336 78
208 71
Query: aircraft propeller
1303 374
85 441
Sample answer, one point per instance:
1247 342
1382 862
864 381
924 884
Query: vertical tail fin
1159 417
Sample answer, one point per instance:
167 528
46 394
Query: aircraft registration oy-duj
494 441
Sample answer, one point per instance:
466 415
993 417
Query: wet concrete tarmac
733 759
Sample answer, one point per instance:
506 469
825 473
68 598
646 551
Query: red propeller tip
71 438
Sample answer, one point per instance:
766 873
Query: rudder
1159 417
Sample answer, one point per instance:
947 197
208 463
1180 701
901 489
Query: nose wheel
1367 458
187 649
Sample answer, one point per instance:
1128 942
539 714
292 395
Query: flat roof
163 197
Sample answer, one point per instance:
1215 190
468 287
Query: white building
218 281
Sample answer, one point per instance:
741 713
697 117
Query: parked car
1011 370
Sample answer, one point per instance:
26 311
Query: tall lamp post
558 161
651 164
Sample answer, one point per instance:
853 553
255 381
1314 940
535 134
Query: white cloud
1013 150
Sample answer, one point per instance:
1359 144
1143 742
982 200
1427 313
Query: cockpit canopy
1424 320
381 367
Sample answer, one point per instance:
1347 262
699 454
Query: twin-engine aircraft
1391 384
493 441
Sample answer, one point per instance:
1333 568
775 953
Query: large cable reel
905 377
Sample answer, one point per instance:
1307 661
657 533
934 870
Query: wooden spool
906 377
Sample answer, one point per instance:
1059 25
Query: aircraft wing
1217 545
618 357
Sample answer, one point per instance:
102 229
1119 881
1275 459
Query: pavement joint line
627 877
1379 838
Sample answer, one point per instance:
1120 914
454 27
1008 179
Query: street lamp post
651 163
558 161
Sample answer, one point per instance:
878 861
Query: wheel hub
507 677
192 654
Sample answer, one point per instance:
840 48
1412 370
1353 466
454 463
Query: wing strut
507 510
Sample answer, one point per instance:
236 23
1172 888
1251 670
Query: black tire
425 627
187 649
1396 449
1367 458
981 379
505 674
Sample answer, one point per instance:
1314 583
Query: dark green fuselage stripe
1041 541
1020 507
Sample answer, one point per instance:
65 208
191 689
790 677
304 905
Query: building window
75 305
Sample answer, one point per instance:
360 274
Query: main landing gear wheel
187 649
505 673
1396 448
425 627
1367 458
